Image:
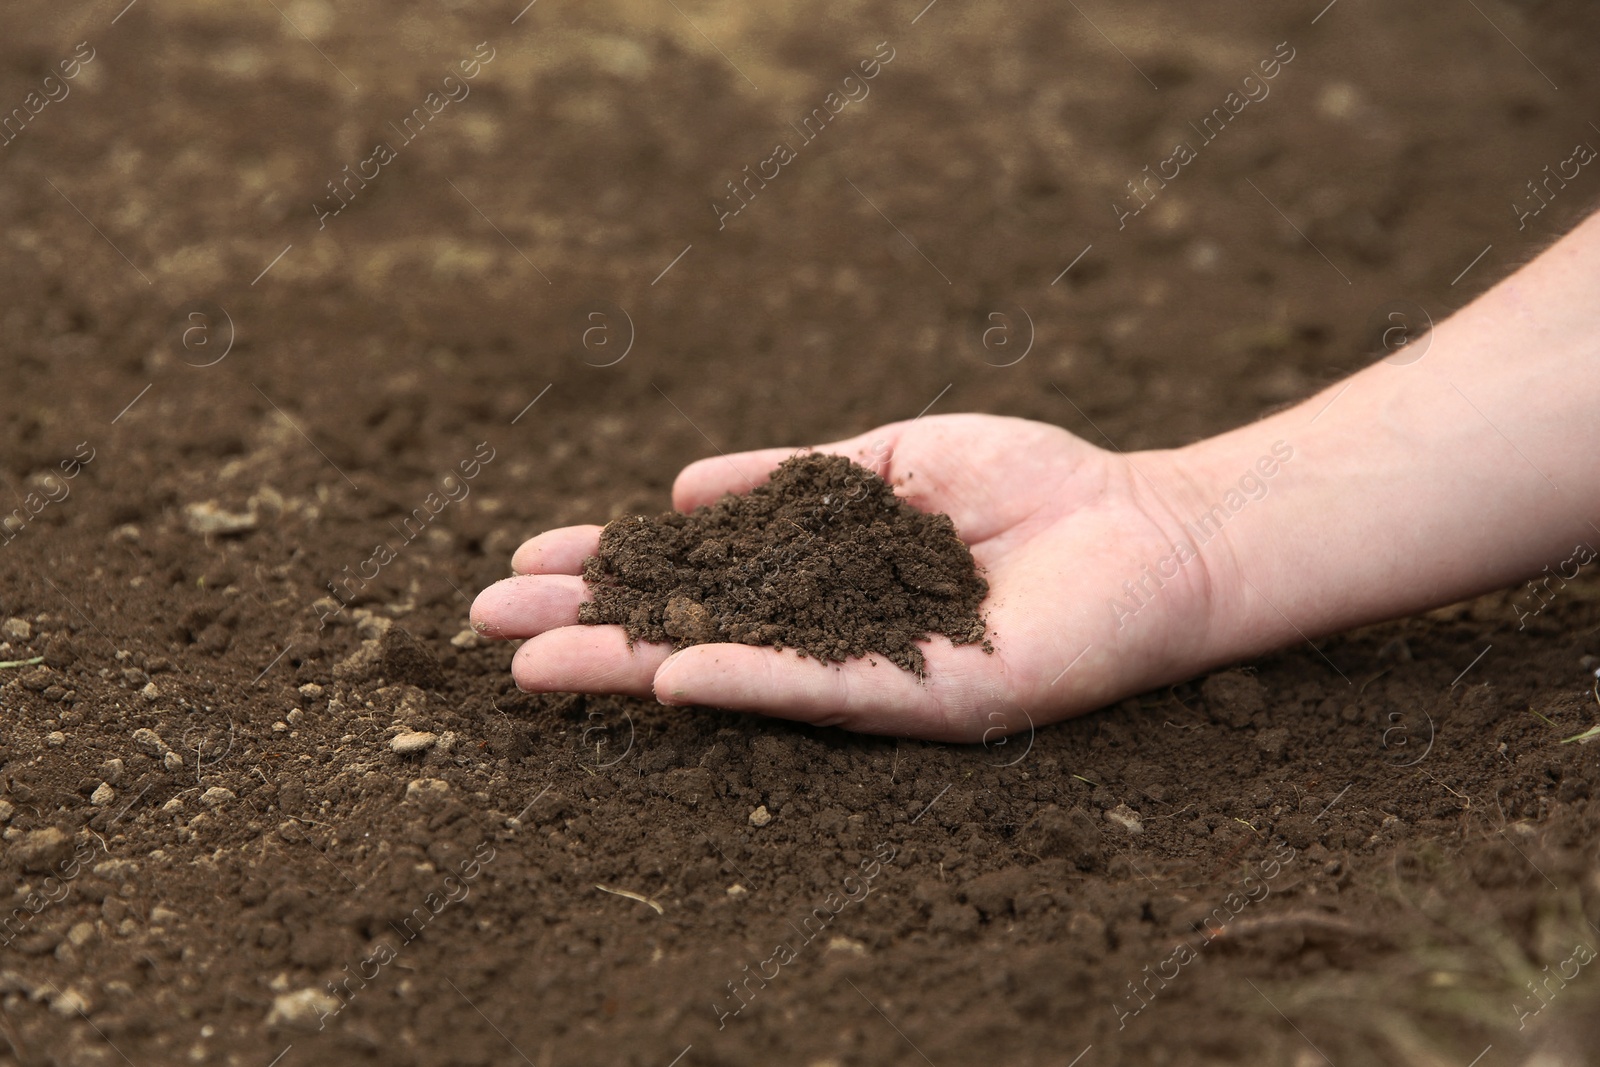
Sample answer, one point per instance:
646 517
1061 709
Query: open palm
1057 526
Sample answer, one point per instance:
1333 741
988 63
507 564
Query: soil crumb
823 559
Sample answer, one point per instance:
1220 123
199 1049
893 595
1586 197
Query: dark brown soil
216 851
824 558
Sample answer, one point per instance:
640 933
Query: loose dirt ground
1358 853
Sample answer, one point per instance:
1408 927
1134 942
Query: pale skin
1409 487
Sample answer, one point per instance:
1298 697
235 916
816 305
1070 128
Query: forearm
1413 486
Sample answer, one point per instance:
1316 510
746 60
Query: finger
867 695
528 605
559 551
708 480
587 659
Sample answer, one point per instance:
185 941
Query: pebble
40 851
412 742
70 1003
151 692
172 762
1126 818
295 717
737 891
761 816
102 795
466 639
301 1010
113 771
7 809
149 742
207 517
55 738
423 788
311 690
15 629
215 796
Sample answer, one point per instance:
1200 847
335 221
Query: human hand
1056 525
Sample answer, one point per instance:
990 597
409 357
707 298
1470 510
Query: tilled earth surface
307 329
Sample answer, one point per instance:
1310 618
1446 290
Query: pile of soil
823 559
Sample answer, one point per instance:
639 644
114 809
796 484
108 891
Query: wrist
1244 530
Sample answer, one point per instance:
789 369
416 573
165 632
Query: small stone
81 934
296 717
412 742
301 1010
426 788
371 627
311 691
162 916
737 891
55 739
465 640
1125 817
15 629
172 762
216 796
280 727
359 665
175 804
149 742
117 870
761 816
113 771
410 707
151 692
40 851
7 809
206 518
102 795
69 1003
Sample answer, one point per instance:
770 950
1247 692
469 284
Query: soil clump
824 559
